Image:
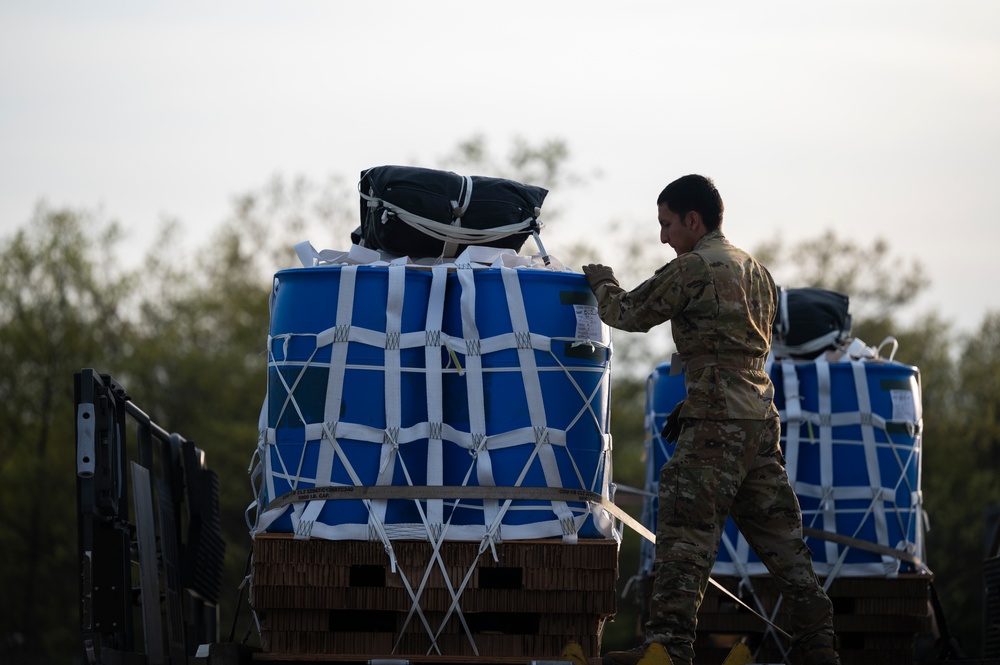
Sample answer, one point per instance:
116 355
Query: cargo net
446 396
851 436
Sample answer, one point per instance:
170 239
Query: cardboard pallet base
877 619
343 597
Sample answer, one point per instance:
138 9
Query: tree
877 283
61 308
202 364
962 458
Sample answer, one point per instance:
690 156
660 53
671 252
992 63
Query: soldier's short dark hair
694 192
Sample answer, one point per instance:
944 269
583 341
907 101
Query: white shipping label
903 405
589 325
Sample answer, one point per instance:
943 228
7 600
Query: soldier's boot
654 654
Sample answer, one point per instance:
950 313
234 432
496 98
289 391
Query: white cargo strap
458 209
536 402
792 417
474 388
435 391
392 390
305 521
879 496
825 415
433 519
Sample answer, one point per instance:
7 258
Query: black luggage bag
809 321
419 212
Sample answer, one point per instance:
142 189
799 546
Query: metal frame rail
149 586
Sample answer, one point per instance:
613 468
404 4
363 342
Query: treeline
185 333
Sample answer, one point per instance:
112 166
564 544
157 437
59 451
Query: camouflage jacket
721 303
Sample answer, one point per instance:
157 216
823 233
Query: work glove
672 428
598 275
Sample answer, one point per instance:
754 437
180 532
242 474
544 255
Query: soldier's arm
651 303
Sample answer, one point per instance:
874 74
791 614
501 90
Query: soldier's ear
693 219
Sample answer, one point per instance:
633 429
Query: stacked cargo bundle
851 424
458 388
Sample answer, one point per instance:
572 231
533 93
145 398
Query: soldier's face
675 230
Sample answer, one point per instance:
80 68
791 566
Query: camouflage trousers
729 468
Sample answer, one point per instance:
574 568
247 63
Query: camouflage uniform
727 461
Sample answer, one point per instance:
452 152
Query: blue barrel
304 305
572 382
850 433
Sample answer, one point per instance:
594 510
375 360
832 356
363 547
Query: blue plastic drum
305 304
573 380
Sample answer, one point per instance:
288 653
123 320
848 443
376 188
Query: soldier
727 461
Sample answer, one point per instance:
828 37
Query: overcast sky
877 118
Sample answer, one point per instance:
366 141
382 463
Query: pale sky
878 118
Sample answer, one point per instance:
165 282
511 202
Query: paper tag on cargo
589 325
903 407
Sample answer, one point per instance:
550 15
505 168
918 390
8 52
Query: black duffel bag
809 321
418 212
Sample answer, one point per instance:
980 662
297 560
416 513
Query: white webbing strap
825 409
783 324
435 392
474 388
305 521
392 392
378 528
433 530
865 416
264 435
256 473
792 417
536 402
458 209
486 542
289 389
340 341
459 234
436 541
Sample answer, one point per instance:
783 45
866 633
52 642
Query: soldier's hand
598 275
